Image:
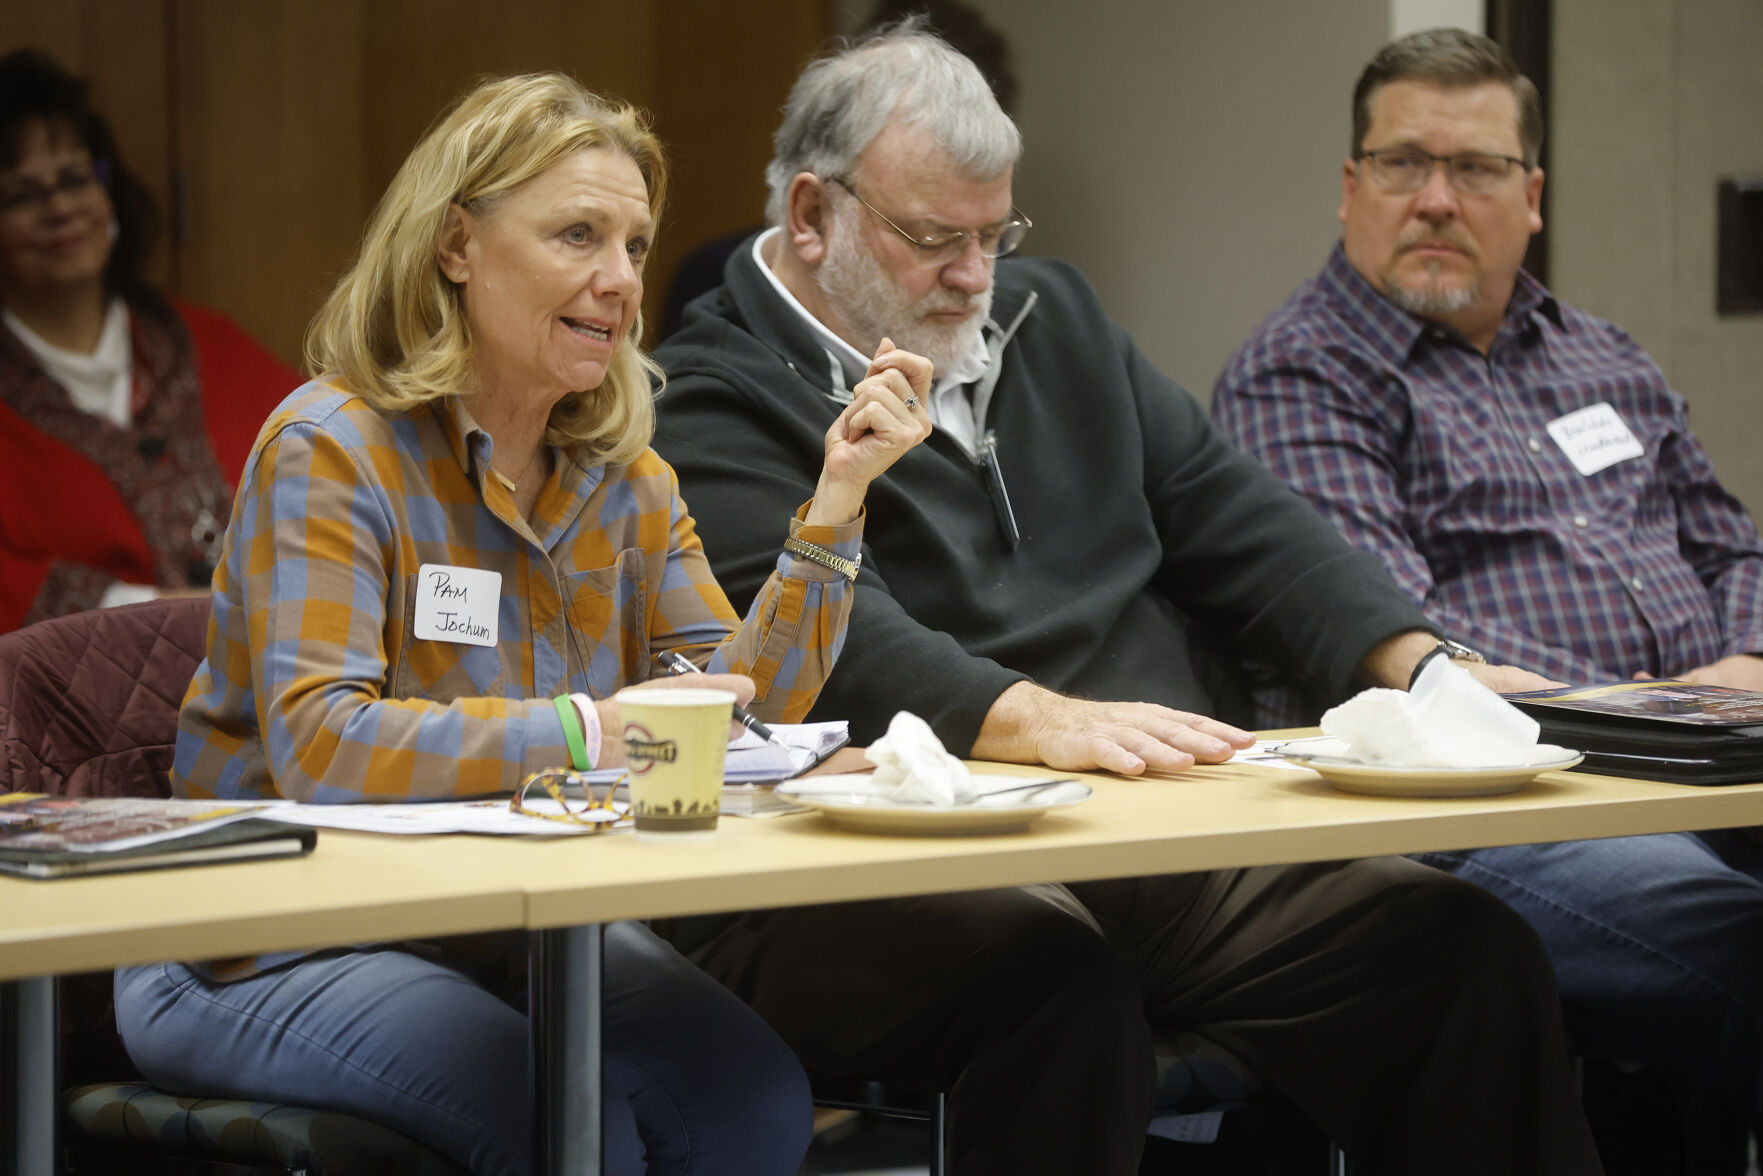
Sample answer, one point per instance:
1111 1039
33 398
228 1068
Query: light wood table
352 889
358 887
1206 818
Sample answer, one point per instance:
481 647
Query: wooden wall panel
721 93
723 78
422 54
270 139
283 120
53 28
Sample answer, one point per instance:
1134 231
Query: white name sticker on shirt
1594 438
457 604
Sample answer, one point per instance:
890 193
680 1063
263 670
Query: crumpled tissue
1448 720
911 761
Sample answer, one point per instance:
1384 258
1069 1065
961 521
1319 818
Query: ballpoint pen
678 663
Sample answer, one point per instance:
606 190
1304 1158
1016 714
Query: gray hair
900 71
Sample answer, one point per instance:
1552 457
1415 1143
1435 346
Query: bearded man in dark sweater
1046 580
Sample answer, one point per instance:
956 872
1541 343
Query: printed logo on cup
675 741
644 751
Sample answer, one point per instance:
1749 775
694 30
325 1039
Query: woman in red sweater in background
125 417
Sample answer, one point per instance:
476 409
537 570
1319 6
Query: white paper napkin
1449 720
911 761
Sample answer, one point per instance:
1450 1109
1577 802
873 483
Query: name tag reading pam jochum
457 604
1594 438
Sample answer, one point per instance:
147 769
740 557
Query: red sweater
61 507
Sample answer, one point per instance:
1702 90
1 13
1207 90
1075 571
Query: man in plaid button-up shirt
1526 473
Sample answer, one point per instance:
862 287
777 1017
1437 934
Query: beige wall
1187 156
1654 101
1411 16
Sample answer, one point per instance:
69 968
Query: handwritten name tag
457 604
1594 438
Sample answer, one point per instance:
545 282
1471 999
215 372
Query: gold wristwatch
828 559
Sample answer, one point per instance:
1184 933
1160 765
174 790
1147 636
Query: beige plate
853 802
1326 757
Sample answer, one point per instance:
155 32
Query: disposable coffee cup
674 743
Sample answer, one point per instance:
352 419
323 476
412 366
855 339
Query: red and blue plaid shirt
1437 459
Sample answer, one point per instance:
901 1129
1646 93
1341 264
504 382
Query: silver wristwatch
1457 651
1454 650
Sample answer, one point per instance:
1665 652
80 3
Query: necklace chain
514 482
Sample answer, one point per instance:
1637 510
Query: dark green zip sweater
1152 554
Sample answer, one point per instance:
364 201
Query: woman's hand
612 724
885 418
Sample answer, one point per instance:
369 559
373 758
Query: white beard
872 305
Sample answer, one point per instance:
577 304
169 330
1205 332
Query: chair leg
939 1159
28 1075
1337 1160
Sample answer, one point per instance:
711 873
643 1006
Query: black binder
1658 729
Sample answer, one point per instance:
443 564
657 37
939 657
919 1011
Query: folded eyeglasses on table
592 807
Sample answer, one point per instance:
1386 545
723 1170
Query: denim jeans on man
1657 944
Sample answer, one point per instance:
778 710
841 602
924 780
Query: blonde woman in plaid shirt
449 550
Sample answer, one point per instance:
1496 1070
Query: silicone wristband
591 733
572 732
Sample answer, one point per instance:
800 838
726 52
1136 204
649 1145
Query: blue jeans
1657 944
695 1082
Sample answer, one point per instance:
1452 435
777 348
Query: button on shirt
316 688
1439 460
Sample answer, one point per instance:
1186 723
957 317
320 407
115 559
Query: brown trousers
1411 1016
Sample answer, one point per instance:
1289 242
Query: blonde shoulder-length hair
394 329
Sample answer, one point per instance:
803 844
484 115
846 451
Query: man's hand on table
1030 725
1742 671
1508 679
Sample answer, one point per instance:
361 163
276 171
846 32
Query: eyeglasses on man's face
1408 169
995 241
20 195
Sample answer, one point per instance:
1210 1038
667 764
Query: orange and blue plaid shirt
315 687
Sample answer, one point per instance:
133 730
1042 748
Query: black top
1152 553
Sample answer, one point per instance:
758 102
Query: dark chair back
89 702
89 707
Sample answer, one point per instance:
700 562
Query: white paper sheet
468 816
